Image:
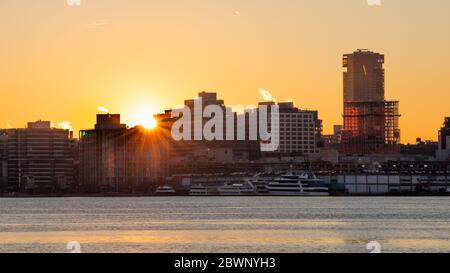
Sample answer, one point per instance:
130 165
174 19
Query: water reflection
225 224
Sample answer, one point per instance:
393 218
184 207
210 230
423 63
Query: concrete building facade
38 159
364 78
300 130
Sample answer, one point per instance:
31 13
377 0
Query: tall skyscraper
364 78
371 123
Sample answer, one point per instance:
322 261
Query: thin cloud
95 24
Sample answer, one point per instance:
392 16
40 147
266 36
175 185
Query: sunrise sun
144 119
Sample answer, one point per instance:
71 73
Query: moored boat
304 184
237 189
165 191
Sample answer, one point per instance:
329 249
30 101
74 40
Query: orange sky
59 62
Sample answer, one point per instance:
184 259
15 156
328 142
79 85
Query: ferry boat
165 191
237 189
260 182
305 184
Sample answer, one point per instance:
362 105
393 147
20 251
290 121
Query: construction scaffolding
371 127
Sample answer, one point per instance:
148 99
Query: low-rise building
335 139
443 152
3 160
381 184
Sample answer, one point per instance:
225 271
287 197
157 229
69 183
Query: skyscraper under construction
371 123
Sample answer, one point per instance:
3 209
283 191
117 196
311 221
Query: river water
225 224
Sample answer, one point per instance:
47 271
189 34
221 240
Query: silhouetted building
189 153
39 159
427 148
3 160
198 120
334 140
371 124
113 158
74 154
443 152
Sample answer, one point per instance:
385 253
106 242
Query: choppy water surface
225 224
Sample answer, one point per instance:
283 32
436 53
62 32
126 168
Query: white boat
305 184
237 189
165 190
260 182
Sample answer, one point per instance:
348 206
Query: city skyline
60 62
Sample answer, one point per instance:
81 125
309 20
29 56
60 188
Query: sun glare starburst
144 119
